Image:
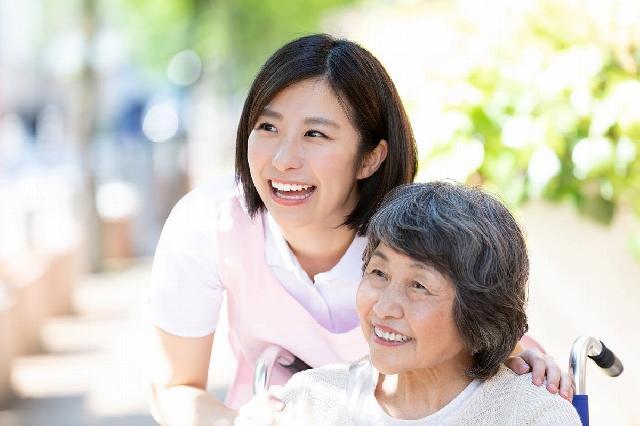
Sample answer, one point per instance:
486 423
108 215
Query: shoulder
321 385
200 210
316 396
207 197
518 395
187 291
331 378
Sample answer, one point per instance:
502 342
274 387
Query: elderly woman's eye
416 285
377 273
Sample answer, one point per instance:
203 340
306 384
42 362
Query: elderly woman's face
405 310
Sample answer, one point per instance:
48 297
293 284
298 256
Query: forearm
188 405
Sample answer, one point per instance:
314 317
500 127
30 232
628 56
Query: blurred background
111 110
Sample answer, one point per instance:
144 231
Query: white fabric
186 292
376 415
337 394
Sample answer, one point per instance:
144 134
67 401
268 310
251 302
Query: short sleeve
186 292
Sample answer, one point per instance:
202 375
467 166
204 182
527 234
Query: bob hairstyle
369 98
471 238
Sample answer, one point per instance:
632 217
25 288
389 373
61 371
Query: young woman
322 138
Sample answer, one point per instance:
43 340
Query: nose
288 155
388 304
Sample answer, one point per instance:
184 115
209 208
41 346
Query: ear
372 160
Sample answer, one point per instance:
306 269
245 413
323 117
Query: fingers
261 409
567 386
544 367
517 365
273 398
538 369
553 375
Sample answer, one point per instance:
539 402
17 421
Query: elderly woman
441 305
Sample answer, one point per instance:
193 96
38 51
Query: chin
288 219
386 366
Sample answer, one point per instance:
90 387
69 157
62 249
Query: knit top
339 394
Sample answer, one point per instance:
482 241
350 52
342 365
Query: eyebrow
380 255
271 113
417 265
268 112
322 121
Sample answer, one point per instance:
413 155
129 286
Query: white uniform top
187 292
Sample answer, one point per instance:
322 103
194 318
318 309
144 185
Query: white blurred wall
584 281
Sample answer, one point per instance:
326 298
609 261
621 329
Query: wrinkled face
406 313
303 157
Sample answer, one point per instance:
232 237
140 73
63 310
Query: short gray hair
472 238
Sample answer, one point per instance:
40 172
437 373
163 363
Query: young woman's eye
266 126
315 134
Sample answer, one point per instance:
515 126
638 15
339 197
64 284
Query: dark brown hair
370 99
471 238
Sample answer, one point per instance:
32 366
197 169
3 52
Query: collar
278 254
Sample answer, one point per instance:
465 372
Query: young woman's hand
262 409
542 367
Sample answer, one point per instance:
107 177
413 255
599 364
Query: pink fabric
263 313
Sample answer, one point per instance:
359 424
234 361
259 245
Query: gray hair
471 238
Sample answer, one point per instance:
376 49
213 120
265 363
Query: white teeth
289 186
390 337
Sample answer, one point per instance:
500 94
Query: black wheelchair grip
606 358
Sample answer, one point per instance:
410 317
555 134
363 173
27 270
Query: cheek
365 298
436 325
335 162
258 153
451 343
252 148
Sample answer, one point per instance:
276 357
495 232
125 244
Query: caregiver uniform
210 246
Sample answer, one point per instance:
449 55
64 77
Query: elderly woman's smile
389 336
406 312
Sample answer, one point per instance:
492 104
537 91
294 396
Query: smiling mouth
291 192
390 337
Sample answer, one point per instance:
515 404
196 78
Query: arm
180 398
185 300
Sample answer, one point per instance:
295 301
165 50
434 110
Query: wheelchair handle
265 364
586 346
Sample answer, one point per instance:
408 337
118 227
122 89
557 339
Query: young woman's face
406 313
303 157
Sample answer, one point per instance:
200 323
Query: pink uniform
263 313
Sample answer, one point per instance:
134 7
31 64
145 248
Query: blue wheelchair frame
583 349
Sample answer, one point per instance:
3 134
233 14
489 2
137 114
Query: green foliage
233 36
560 116
260 27
156 31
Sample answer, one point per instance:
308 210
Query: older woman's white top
343 394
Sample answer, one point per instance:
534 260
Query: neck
419 393
318 250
